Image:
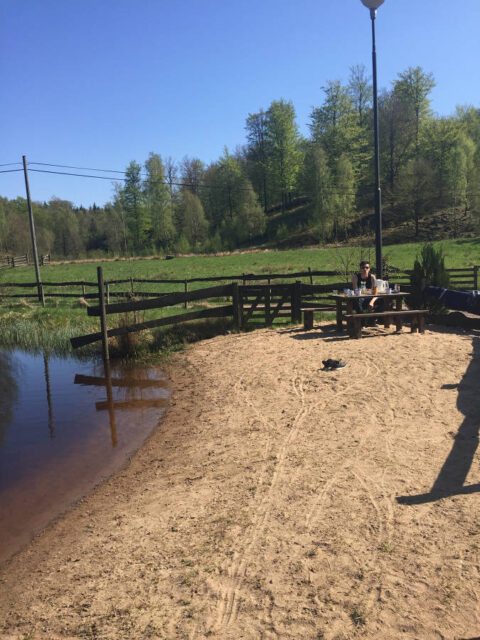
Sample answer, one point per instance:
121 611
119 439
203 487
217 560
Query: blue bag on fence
458 300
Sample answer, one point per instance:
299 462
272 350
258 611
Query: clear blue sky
98 83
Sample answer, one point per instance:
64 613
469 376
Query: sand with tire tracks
278 500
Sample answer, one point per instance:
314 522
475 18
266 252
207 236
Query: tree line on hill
428 163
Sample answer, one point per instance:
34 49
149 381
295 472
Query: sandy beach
277 500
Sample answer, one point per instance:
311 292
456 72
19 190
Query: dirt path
278 500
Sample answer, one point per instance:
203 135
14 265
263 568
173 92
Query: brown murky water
65 425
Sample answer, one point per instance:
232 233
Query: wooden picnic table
345 304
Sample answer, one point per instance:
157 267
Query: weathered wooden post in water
103 315
32 233
110 403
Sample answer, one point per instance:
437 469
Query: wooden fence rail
269 301
247 302
19 261
13 261
217 312
466 278
167 300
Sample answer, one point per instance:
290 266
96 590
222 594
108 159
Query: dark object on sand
332 365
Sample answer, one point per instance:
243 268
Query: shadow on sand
329 333
453 474
451 479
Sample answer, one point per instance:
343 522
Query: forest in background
280 183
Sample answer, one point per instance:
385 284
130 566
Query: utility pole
32 233
373 6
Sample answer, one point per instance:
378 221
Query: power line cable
68 166
84 175
78 175
8 164
190 185
168 184
165 182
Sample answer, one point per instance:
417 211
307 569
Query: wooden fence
164 301
465 278
10 262
269 301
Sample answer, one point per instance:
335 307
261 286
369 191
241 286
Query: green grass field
24 322
458 253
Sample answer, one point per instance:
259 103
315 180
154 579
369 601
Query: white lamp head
372 4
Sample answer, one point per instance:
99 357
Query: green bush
428 270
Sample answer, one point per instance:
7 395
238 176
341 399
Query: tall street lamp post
373 6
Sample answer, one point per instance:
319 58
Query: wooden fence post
103 315
296 313
475 277
267 305
41 294
131 285
186 291
107 289
13 261
310 274
237 312
83 288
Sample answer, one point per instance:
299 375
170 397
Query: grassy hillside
292 228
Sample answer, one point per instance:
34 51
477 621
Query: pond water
65 425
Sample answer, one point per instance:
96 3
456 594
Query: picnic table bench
308 315
416 316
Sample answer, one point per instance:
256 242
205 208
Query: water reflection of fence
111 405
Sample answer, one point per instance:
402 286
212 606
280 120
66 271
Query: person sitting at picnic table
364 277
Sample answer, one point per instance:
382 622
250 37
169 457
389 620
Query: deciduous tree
158 203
